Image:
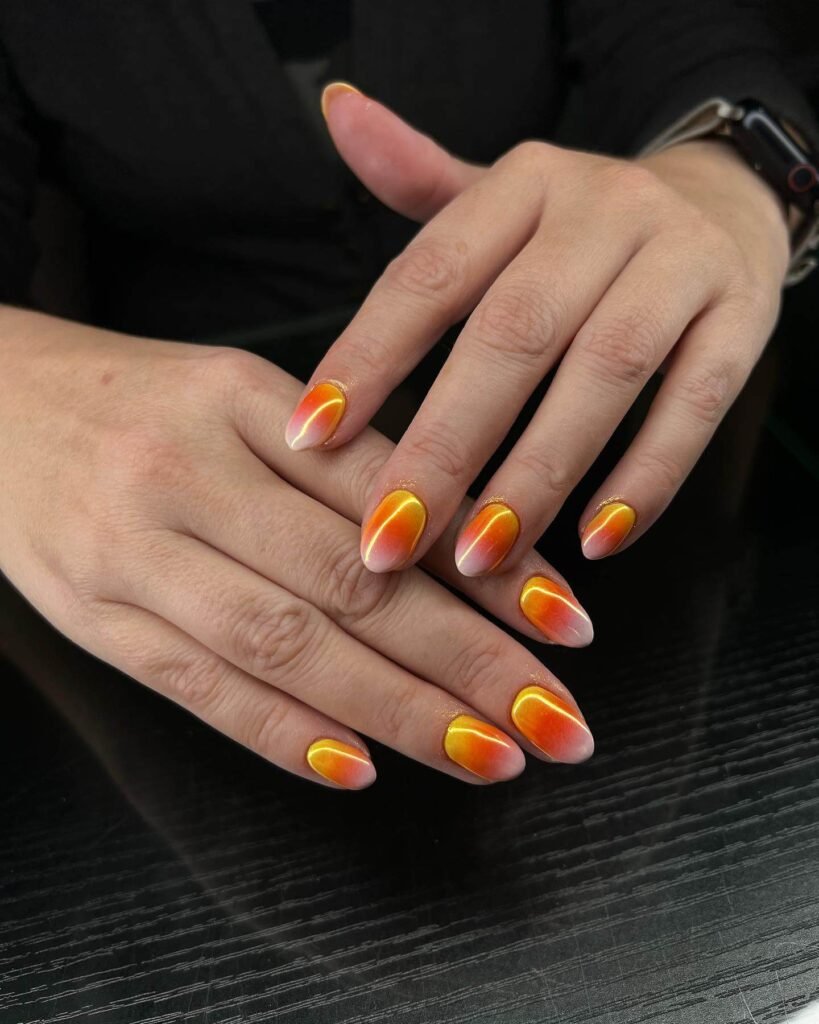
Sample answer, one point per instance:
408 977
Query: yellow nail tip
335 89
482 749
393 530
555 612
608 529
487 539
340 763
552 725
316 417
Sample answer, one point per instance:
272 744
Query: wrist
710 172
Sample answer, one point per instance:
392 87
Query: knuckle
352 592
369 460
271 639
518 321
427 269
531 153
634 182
549 469
662 469
707 391
475 664
623 348
392 713
371 353
193 682
229 368
438 445
263 730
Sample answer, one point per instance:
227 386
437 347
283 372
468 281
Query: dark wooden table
153 872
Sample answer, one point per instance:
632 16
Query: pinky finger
711 364
260 717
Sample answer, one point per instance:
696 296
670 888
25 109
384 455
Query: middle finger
408 617
512 339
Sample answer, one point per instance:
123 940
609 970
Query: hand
606 267
152 511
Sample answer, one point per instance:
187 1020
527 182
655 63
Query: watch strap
721 117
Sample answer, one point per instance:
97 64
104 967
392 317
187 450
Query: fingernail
393 531
552 725
607 530
482 749
340 763
333 90
485 540
316 417
556 612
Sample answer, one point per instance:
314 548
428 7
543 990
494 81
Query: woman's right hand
151 509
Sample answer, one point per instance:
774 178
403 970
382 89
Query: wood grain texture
152 872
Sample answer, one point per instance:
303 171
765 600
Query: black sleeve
18 177
641 64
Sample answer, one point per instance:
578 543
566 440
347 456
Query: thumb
403 168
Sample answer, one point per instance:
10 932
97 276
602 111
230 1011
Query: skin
605 269
151 510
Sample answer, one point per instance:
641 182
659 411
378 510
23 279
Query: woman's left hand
609 268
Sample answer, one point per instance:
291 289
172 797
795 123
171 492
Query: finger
431 285
271 723
407 617
620 345
707 372
405 169
516 334
280 639
340 480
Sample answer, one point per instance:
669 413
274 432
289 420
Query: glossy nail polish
340 763
607 529
331 91
482 749
486 539
552 725
556 612
393 531
316 417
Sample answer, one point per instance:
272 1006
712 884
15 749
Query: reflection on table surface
154 872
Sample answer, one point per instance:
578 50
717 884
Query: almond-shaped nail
552 725
482 749
316 417
607 529
556 612
331 91
340 763
392 533
486 540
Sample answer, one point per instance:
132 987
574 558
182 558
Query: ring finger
407 617
624 340
279 638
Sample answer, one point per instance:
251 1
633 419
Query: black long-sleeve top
211 200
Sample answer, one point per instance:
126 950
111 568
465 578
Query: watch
776 151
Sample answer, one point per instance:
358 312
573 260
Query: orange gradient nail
486 539
553 725
556 612
340 763
331 91
607 530
316 417
482 749
393 531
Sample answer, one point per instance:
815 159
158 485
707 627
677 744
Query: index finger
342 479
429 287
